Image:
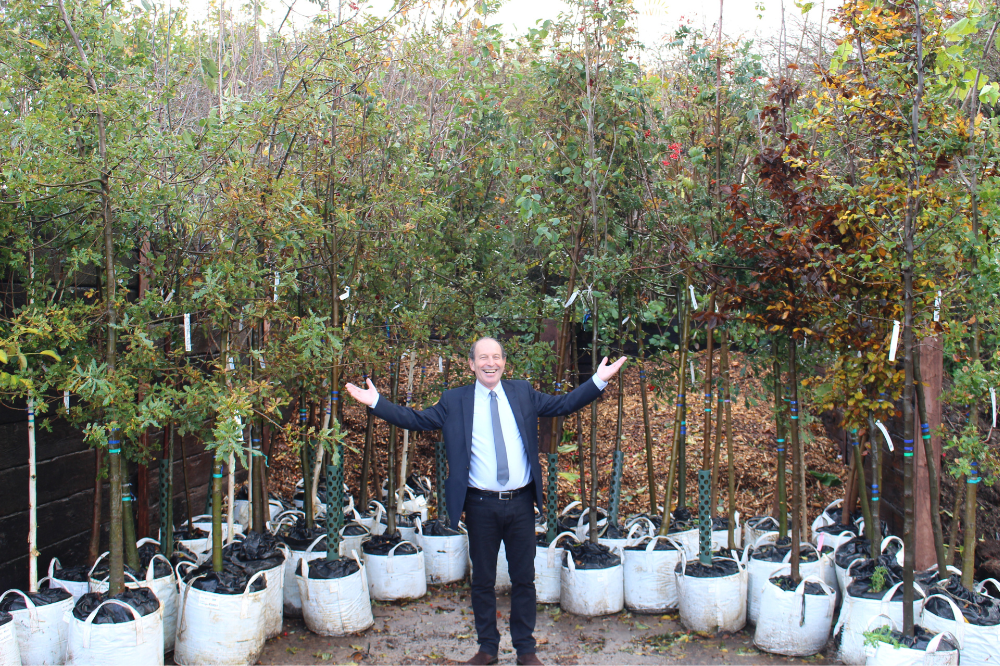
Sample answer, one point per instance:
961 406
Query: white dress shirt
483 465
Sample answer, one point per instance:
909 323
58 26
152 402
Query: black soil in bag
436 528
788 585
763 524
589 555
568 521
772 553
656 520
612 531
542 539
717 569
182 554
381 544
103 567
298 536
721 523
76 574
418 485
978 609
661 544
837 528
861 585
230 580
188 533
357 529
402 519
921 639
141 599
851 550
146 553
328 570
45 596
256 552
5 618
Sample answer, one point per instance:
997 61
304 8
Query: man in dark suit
490 432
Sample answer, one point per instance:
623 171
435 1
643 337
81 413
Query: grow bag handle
635 525
392 552
101 581
144 540
892 623
887 597
569 507
52 566
151 567
788 556
419 525
956 616
889 539
354 522
88 623
310 547
935 642
653 539
100 557
551 548
29 606
178 572
981 586
304 590
245 606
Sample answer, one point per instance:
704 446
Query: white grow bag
720 538
758 571
688 539
135 643
713 604
591 592
857 612
392 576
823 520
844 575
41 630
10 654
650 585
374 521
764 525
794 623
338 606
350 545
883 654
220 628
74 587
548 570
446 558
291 601
978 645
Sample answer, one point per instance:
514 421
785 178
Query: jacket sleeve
408 418
563 405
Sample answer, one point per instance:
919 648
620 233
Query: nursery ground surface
438 629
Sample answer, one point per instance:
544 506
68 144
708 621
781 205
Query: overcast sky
741 18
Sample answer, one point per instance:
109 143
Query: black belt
502 495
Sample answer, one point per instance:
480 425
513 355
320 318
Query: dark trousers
489 521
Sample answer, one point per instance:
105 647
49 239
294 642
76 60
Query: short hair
472 349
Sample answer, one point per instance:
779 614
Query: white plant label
169 296
440 364
993 401
187 332
66 405
571 299
692 372
937 307
694 299
277 281
262 366
232 366
347 293
626 320
895 340
888 439
425 306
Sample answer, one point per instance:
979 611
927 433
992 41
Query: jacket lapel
515 406
468 404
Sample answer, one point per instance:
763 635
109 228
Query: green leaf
208 66
50 354
826 478
3 356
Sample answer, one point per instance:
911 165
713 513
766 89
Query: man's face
488 363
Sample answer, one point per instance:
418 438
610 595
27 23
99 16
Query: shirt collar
483 392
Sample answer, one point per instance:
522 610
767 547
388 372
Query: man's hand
604 371
365 396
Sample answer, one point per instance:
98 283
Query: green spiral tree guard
334 502
618 460
166 509
704 517
441 473
551 497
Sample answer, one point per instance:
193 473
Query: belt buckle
507 493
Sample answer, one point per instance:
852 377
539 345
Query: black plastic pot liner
587 555
301 497
418 486
436 528
142 600
862 574
613 531
837 528
182 554
230 580
679 526
328 570
146 553
763 523
684 515
569 520
655 519
542 539
402 519
298 536
243 494
921 639
256 552
76 574
5 618
851 550
661 544
187 533
788 585
717 569
103 567
978 609
720 523
771 553
356 529
381 544
44 597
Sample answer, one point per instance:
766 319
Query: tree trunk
647 430
593 431
781 484
798 492
933 480
678 441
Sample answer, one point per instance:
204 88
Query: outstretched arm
404 417
582 395
605 372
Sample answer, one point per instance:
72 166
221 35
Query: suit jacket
452 415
